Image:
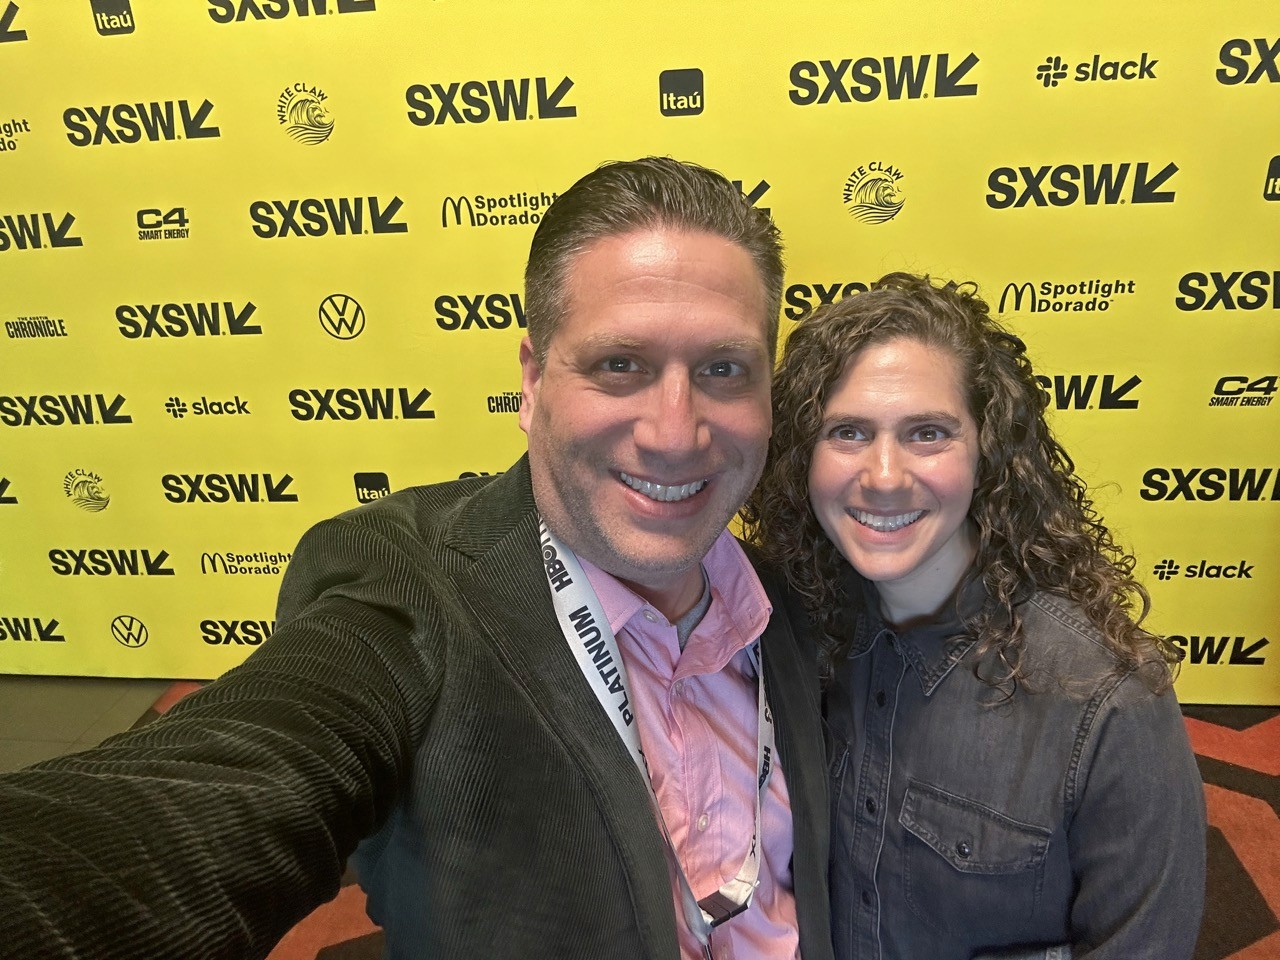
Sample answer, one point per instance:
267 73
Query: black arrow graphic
549 107
946 84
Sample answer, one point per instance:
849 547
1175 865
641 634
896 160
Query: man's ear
530 377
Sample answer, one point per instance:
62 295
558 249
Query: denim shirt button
880 698
871 805
866 898
964 850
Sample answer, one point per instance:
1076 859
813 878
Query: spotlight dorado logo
483 210
872 193
1094 295
301 110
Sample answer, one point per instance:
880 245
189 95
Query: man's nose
671 420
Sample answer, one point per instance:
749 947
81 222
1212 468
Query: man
437 680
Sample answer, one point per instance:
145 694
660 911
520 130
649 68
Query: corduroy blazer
418 696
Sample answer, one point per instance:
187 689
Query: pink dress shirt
696 713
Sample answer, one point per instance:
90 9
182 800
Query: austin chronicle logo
302 112
872 193
129 631
341 316
112 17
84 488
680 92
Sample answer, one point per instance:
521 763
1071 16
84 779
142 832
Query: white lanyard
587 631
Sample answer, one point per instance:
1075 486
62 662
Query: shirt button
880 698
678 687
871 805
964 850
703 822
650 616
866 898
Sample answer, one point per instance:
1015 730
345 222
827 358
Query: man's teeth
886 524
662 491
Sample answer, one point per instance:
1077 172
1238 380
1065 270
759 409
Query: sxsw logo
6 498
245 632
56 410
8 33
801 298
359 403
313 217
1236 57
1066 184
227 488
33 231
754 194
206 319
1076 391
25 629
869 78
112 17
1054 70
372 486
680 92
154 120
1236 484
1211 648
1203 570
480 311
1237 290
235 11
103 562
482 100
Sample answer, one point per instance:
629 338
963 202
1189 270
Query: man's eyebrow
612 341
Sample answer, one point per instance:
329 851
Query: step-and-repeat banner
260 262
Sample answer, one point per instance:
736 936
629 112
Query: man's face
648 421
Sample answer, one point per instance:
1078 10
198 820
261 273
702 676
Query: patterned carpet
1238 750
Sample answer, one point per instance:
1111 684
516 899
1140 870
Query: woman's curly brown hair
1037 527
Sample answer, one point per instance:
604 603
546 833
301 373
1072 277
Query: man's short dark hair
654 192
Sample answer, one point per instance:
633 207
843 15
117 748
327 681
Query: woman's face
893 474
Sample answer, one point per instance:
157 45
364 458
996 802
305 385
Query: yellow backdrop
260 260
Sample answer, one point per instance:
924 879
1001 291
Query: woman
1009 767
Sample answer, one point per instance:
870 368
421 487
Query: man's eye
725 368
619 365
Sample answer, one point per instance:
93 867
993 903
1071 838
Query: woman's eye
930 434
846 433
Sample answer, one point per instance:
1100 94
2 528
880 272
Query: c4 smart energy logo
28 629
237 11
318 217
800 299
485 210
479 101
873 192
913 77
480 311
156 223
106 562
1092 184
1237 391
62 409
178 408
371 486
302 111
359 403
154 121
680 93
227 488
200 319
36 231
1247 61
1095 295
341 316
1054 70
1087 391
1237 290
9 131
35 328
1209 484
9 32
84 488
112 17
129 631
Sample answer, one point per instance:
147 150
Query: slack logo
372 486
1204 570
204 407
680 92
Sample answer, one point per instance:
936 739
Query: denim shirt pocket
963 859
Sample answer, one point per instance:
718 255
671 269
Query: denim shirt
1071 815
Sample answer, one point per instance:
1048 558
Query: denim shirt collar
932 649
